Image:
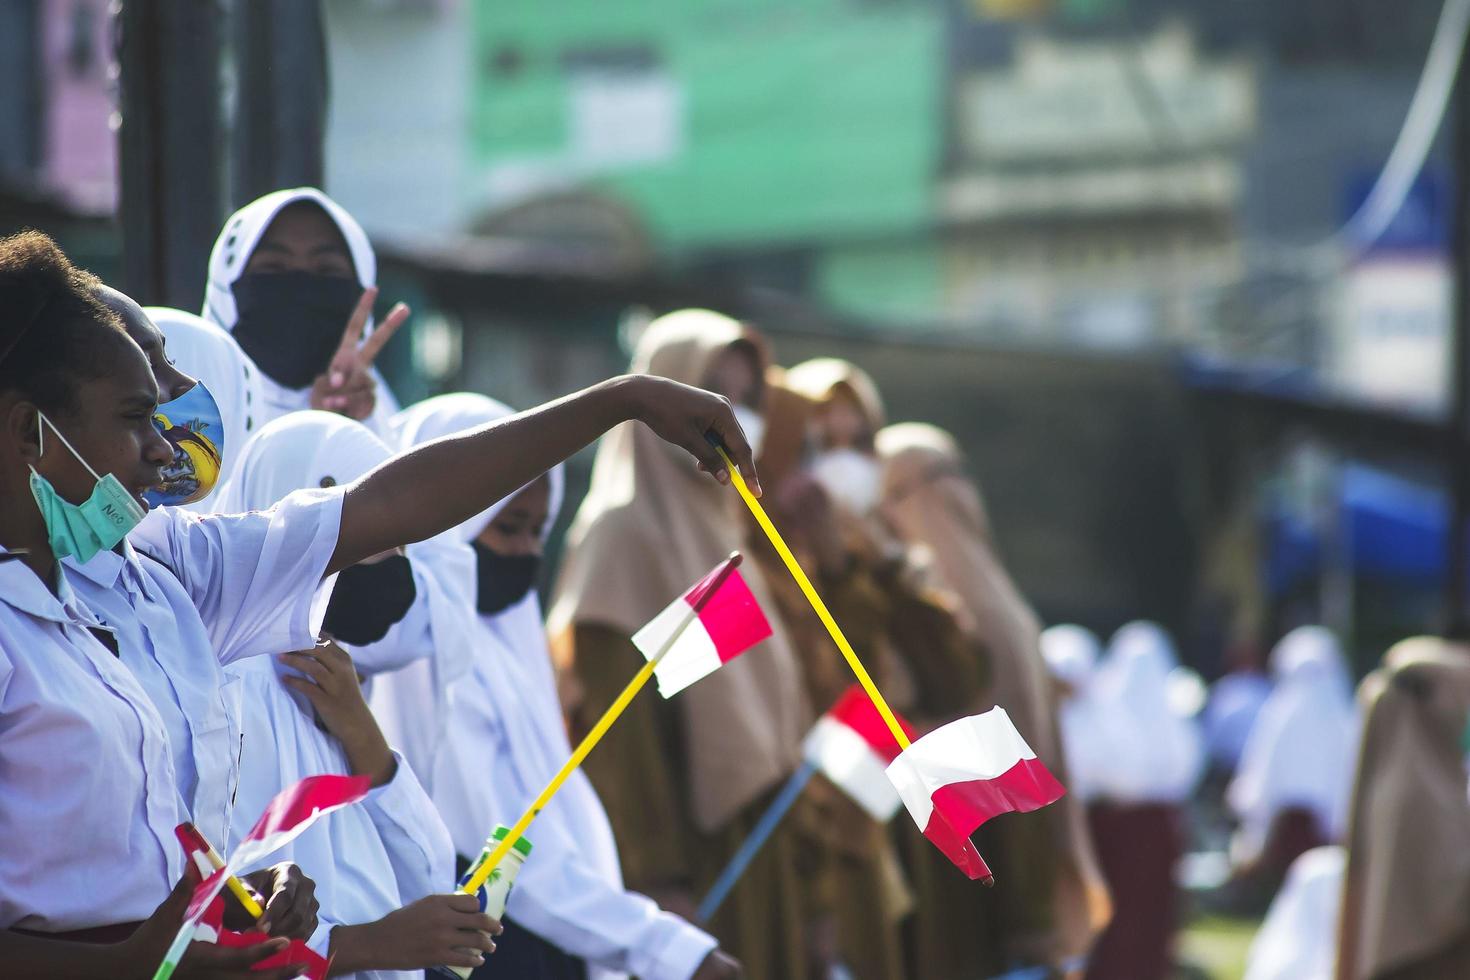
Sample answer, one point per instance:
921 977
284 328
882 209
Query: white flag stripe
692 656
846 758
978 747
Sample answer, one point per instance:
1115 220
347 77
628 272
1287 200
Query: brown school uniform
1406 890
683 780
1049 902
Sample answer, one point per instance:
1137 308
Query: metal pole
1457 443
170 202
280 123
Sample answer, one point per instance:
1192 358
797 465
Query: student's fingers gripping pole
236 887
816 601
482 872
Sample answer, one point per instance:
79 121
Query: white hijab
1155 754
320 449
1302 747
512 683
204 351
1298 940
231 253
1071 654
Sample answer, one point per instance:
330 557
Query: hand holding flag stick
731 622
287 815
194 841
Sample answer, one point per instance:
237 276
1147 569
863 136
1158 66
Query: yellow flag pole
485 867
216 861
816 601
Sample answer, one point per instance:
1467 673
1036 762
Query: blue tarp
1395 531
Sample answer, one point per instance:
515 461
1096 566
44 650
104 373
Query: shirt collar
23 589
104 568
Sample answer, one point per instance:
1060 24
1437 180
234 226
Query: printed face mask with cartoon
192 425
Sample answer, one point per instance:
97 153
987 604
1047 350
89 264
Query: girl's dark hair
54 331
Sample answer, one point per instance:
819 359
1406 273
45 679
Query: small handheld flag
727 622
211 929
736 623
960 775
287 815
194 843
973 865
850 746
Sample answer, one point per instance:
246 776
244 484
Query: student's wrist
123 960
624 396
373 758
350 949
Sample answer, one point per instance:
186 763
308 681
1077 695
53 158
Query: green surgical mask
96 524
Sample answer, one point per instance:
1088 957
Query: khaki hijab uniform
1049 902
862 885
683 780
1406 894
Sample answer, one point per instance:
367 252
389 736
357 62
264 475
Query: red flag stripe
956 846
731 616
1024 787
301 803
857 711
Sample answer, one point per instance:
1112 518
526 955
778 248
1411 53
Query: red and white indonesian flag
852 746
286 817
713 623
962 774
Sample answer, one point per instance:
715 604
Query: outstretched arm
442 483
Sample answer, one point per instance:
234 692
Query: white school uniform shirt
366 860
506 741
1155 753
1303 747
175 655
1071 653
503 740
88 801
162 640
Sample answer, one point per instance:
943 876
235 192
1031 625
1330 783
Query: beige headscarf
1406 896
821 378
650 527
933 504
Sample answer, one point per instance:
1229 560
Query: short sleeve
252 576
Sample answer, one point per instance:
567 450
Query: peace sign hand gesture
347 387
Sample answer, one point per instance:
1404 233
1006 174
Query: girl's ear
22 430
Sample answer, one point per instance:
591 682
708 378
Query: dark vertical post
280 122
1457 443
171 203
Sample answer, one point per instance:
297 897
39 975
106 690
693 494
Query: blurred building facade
1039 201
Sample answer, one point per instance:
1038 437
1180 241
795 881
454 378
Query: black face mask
369 599
290 323
502 580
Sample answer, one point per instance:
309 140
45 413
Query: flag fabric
852 746
286 817
726 621
211 929
962 774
